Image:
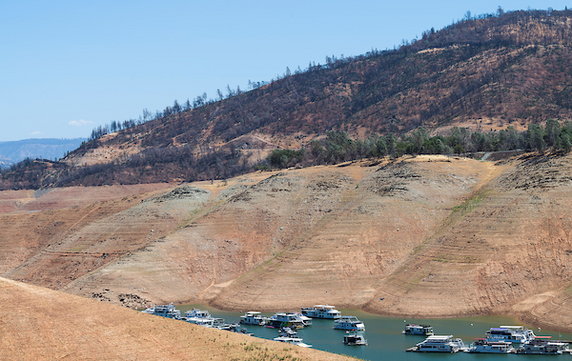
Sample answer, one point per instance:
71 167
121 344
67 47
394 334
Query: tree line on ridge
338 147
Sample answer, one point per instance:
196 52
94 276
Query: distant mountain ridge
486 73
47 148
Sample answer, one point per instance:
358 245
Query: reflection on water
385 341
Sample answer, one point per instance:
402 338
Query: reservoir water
385 340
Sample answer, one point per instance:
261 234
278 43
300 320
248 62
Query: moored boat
206 322
484 346
287 332
543 347
212 322
234 327
292 340
355 339
418 330
439 343
349 323
285 319
197 313
514 334
168 311
305 319
253 318
321 311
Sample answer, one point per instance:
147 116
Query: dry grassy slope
485 73
40 324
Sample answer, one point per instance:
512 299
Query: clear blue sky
67 66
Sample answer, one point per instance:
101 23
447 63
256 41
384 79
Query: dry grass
41 324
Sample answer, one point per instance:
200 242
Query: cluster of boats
501 340
288 322
195 316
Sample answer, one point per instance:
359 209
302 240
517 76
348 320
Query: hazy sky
67 66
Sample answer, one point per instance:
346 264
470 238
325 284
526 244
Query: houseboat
543 347
206 322
484 346
349 323
287 332
292 340
283 319
355 339
418 330
196 313
211 322
435 343
234 327
321 311
253 318
514 334
168 311
305 319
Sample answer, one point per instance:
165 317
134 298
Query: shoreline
527 320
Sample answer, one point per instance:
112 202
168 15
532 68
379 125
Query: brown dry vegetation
482 73
41 324
431 235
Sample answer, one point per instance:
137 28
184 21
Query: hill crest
484 73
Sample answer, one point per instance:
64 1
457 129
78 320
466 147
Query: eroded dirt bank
425 236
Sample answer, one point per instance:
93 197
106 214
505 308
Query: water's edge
385 340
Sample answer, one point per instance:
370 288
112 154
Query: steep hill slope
484 73
41 324
430 235
508 242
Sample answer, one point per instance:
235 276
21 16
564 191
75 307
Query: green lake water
385 340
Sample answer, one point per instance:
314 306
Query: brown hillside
431 235
508 242
484 73
41 324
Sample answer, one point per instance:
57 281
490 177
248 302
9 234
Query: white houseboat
321 311
435 343
212 322
292 340
418 330
168 311
349 323
543 347
197 313
287 332
234 327
355 339
253 318
285 319
484 346
305 319
206 322
514 334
